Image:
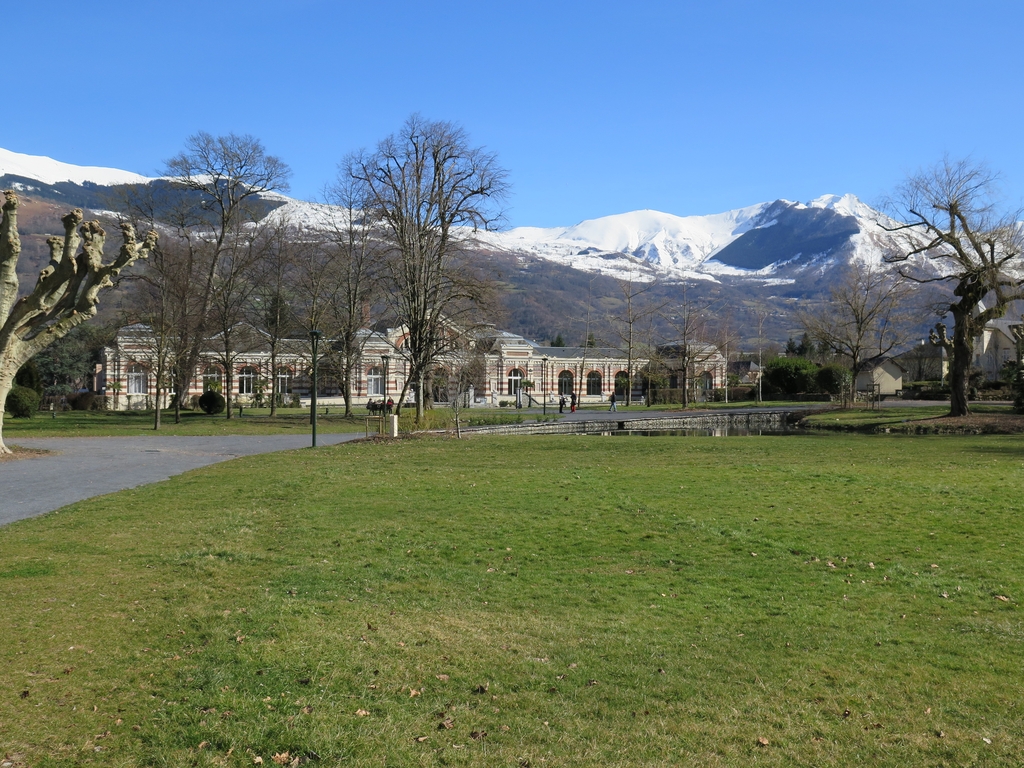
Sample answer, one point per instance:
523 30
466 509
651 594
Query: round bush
22 402
790 376
211 402
834 378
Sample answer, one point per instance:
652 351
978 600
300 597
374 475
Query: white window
375 381
565 383
515 379
138 380
246 379
211 380
284 381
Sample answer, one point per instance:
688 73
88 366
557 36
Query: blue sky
594 108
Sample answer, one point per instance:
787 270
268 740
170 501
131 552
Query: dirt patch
975 424
22 453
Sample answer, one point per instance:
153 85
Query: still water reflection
715 432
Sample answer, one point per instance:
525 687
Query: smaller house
747 371
880 375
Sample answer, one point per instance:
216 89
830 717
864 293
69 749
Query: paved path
83 467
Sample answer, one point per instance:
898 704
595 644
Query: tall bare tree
431 190
953 219
355 273
693 344
222 179
628 322
273 310
867 313
66 293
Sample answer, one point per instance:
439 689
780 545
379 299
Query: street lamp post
544 384
386 359
314 336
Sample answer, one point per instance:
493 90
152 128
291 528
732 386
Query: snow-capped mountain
774 242
49 171
760 241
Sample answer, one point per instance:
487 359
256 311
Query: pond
731 431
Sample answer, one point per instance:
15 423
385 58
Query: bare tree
431 190
222 179
159 302
951 220
866 314
354 272
66 293
235 281
628 322
272 311
692 345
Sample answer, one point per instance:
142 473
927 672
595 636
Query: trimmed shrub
790 376
22 402
212 402
28 376
833 378
86 401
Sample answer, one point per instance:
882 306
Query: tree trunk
421 381
5 387
960 366
273 382
229 381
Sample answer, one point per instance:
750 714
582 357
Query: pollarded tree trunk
960 350
66 293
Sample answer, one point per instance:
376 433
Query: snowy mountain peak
50 171
758 240
847 205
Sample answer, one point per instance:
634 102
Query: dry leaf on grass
361 713
762 741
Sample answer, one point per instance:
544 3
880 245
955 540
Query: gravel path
83 467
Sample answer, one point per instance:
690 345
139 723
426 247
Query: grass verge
812 600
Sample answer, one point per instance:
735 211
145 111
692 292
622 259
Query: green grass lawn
255 421
824 600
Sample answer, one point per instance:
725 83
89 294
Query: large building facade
507 369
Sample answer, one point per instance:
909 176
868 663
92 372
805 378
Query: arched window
211 379
565 383
593 383
515 381
375 381
246 380
138 380
284 380
621 383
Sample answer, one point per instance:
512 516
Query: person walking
561 404
612 401
572 403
